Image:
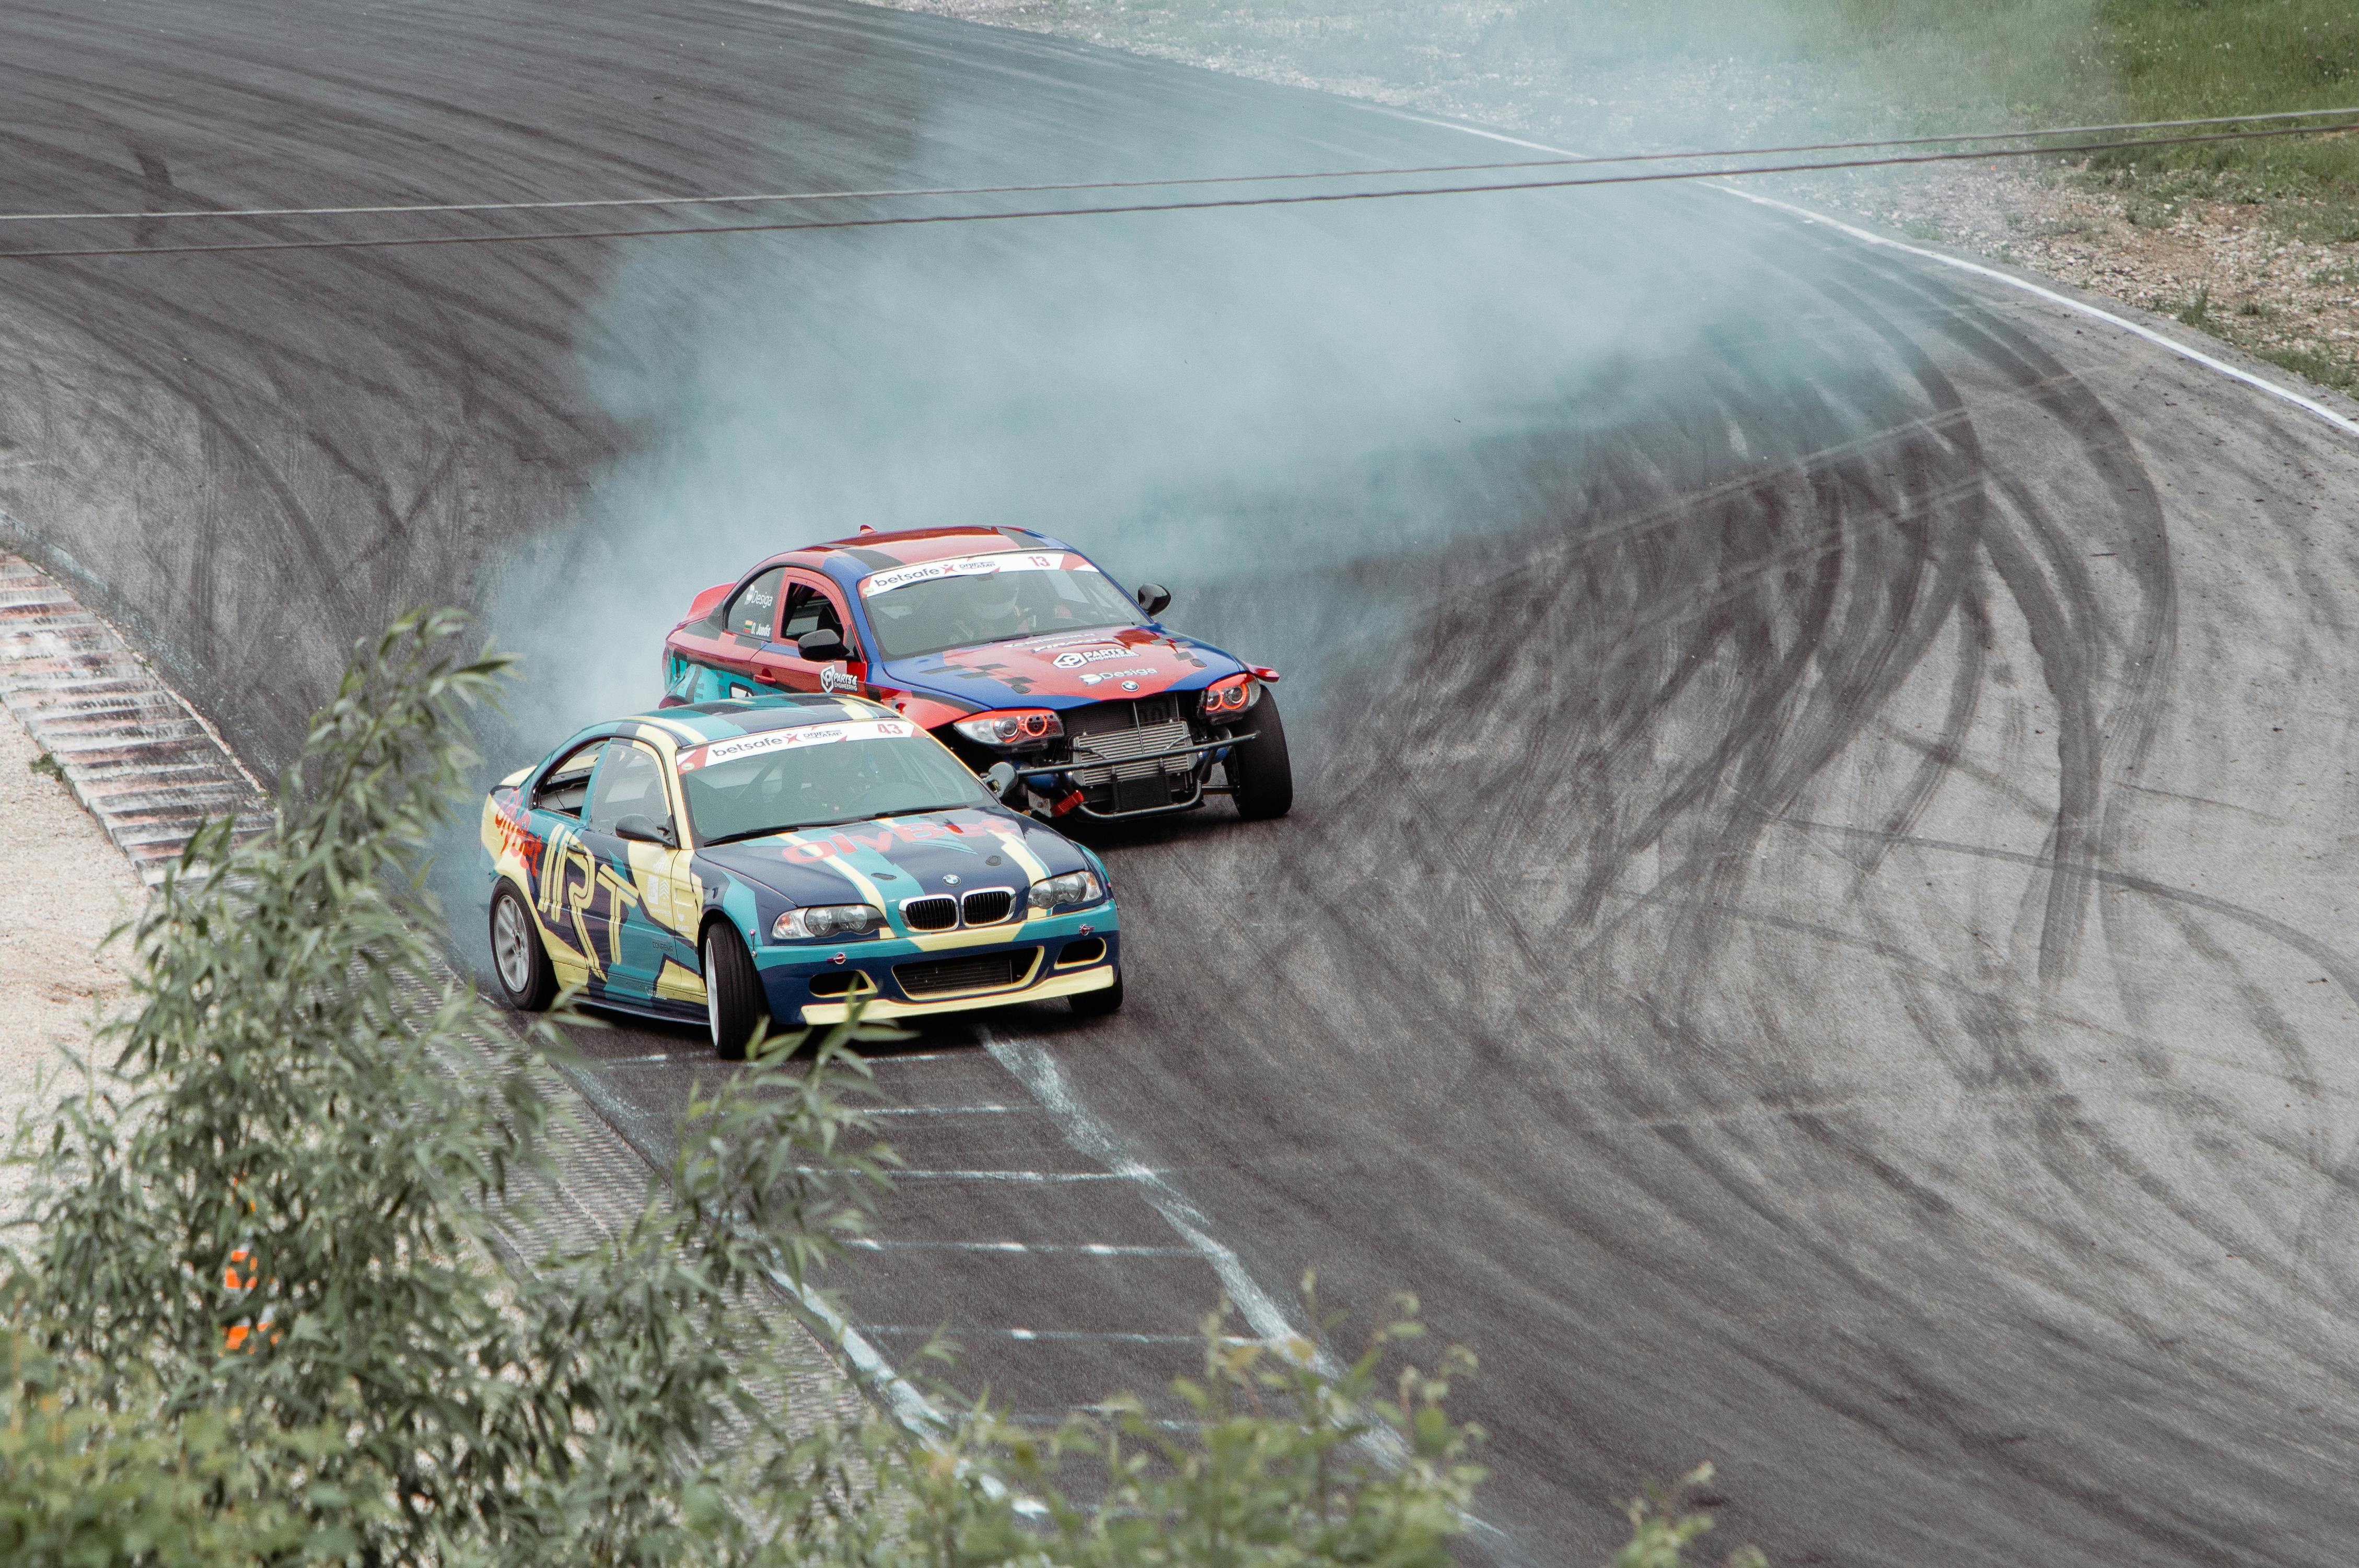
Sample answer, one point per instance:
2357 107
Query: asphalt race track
1813 931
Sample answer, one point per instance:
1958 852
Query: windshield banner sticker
730 750
973 566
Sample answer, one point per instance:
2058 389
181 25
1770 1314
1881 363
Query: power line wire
753 197
1210 205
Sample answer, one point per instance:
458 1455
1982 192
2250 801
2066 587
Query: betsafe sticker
745 746
973 566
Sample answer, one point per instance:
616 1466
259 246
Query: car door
632 942
565 875
749 630
812 604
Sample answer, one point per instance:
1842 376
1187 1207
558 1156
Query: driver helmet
995 600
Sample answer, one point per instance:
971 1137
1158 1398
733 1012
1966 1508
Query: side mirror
1153 596
820 645
643 830
1000 779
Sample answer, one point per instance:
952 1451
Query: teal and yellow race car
775 859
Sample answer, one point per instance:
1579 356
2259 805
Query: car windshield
779 780
990 598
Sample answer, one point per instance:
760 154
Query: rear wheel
1097 1004
734 1001
519 962
1260 773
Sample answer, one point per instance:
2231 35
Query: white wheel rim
711 996
511 946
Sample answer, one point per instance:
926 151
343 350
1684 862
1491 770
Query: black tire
1097 1004
1260 773
734 1004
519 963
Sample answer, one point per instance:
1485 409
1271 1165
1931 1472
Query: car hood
1065 670
897 857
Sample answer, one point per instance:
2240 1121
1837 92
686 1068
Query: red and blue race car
1009 646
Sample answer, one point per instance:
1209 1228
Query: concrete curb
137 757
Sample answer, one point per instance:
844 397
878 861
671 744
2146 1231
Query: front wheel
1097 1004
519 962
734 1004
1261 780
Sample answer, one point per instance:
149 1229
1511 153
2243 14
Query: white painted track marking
1042 1177
951 1110
1037 1071
2023 285
1088 1248
1050 1335
1048 1083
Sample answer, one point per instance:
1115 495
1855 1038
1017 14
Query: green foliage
1661 1530
264 1316
85 1485
273 1209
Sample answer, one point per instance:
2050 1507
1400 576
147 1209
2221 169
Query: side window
567 784
630 780
756 608
808 609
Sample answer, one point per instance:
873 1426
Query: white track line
2022 285
949 1109
1039 1072
1032 1067
1048 1336
1088 1248
1045 1178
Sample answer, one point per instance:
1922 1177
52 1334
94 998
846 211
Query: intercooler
1108 732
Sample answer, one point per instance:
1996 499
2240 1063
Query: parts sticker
1074 658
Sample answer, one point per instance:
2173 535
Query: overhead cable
1209 204
757 197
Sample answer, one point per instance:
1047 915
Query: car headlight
1073 888
1227 699
824 922
1017 727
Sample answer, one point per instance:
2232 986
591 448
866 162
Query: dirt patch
62 888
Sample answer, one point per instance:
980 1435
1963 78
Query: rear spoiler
708 601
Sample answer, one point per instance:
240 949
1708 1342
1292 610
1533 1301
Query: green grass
2184 59
2337 374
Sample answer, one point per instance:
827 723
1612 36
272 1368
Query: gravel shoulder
63 887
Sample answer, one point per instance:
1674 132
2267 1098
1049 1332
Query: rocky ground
2240 269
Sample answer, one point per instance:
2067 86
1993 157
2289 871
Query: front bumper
1052 955
1096 978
